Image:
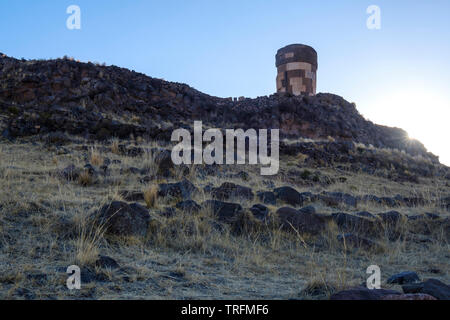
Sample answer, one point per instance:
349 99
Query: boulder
289 195
433 287
352 223
404 277
182 190
132 195
362 293
230 190
390 218
334 199
189 206
225 211
163 159
260 211
353 240
302 221
123 219
409 296
267 197
106 262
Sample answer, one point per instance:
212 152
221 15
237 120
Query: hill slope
103 101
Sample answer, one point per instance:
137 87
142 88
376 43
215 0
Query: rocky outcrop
42 96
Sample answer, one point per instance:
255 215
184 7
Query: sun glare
424 114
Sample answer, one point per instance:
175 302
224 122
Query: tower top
296 69
294 53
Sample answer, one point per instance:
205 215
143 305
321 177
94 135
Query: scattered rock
132 195
260 211
289 195
230 190
404 278
181 190
223 210
163 159
308 210
167 212
122 219
363 294
318 290
38 278
409 296
89 274
267 197
353 223
353 240
304 222
433 287
132 170
106 262
25 293
334 199
189 206
390 218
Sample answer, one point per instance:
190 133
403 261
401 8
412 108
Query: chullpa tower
297 67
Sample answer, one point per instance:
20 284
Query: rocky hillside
99 102
86 163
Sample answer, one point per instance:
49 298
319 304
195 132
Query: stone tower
297 67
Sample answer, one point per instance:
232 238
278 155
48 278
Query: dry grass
85 178
192 254
88 243
151 195
115 146
94 157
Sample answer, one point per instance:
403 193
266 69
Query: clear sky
398 75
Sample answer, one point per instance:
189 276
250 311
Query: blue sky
398 75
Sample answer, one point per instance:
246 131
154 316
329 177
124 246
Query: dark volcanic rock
260 211
122 219
334 199
132 195
349 240
225 211
289 195
363 294
182 190
267 197
107 262
63 95
302 221
189 206
390 218
409 296
163 159
404 277
230 190
433 287
354 223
